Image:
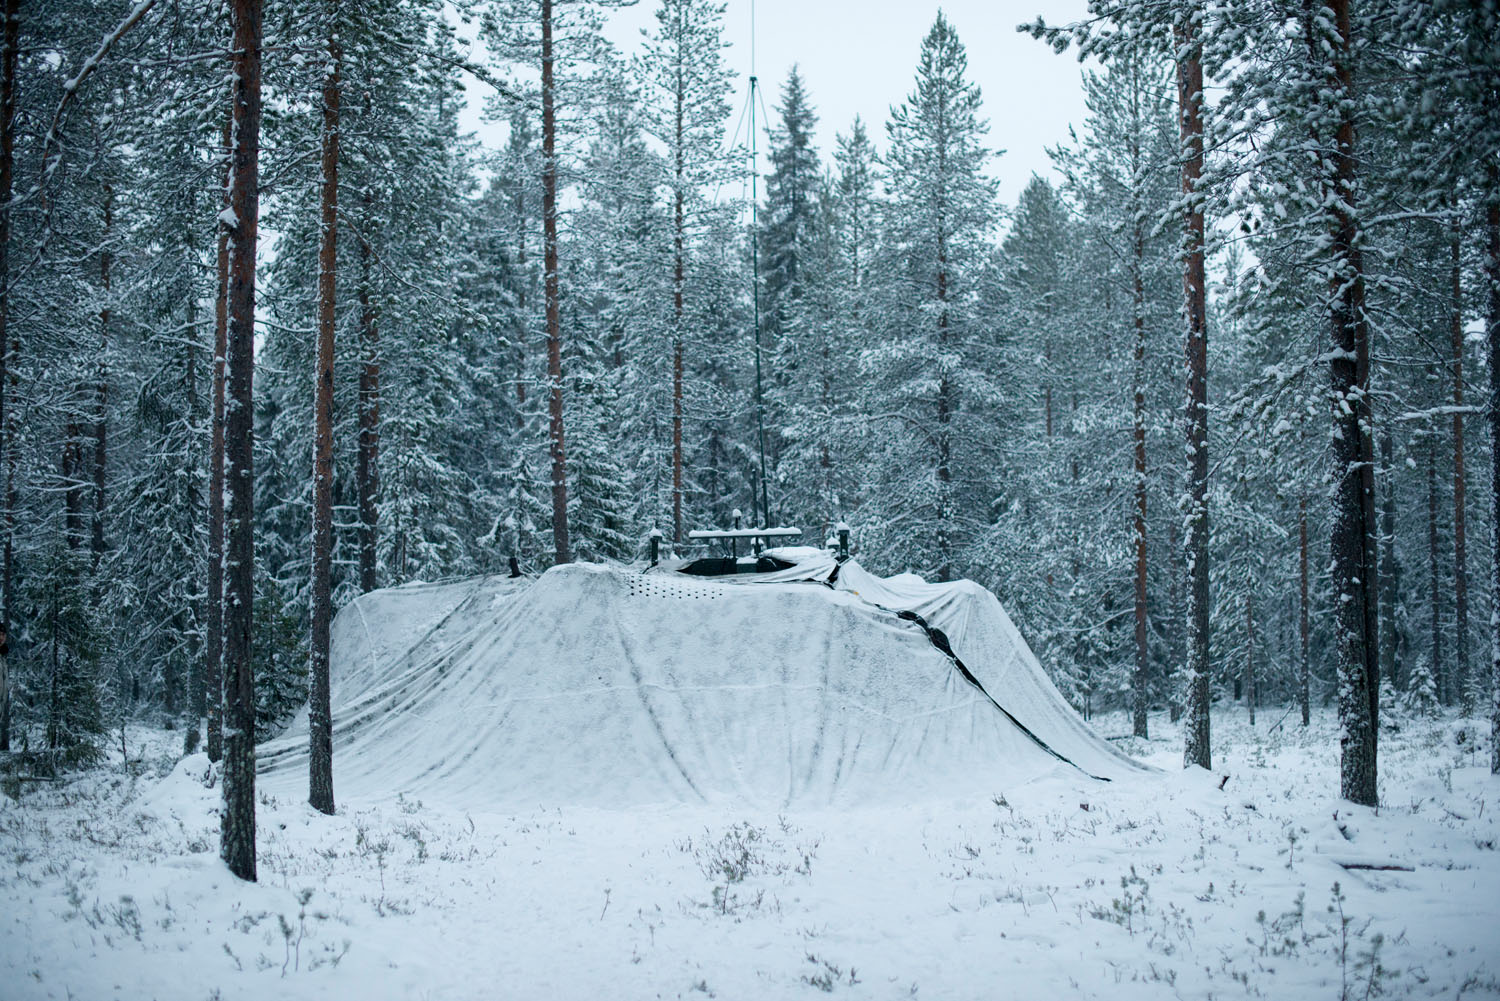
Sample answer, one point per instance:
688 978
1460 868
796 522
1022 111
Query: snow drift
609 686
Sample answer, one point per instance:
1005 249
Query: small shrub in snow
1361 973
826 976
745 851
740 852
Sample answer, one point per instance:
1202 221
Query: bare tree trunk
7 346
1190 105
1492 342
1250 657
522 283
319 713
1304 666
944 420
71 467
367 473
678 278
101 388
1176 696
1390 572
1353 564
1438 664
554 318
213 663
197 684
1460 556
1138 308
237 824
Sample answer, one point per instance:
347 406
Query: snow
613 783
1159 886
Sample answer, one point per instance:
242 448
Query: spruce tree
934 363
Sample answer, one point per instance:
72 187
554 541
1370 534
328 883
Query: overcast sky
859 57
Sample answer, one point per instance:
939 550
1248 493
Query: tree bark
237 824
1304 665
71 468
1390 572
522 284
1492 344
1437 663
1460 556
1138 308
1175 693
1352 539
1190 104
101 389
1250 657
213 665
319 713
7 347
679 224
554 318
944 419
367 472
197 683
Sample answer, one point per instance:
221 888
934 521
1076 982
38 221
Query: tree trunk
1250 657
1492 343
522 283
213 654
554 319
1304 664
944 421
1190 105
101 386
1138 303
1177 696
319 713
237 826
7 347
1460 557
72 472
1390 572
197 684
367 473
678 279
1437 663
1352 539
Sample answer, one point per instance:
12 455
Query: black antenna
760 408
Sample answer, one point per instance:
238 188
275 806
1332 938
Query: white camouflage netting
607 686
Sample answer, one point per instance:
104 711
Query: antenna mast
760 408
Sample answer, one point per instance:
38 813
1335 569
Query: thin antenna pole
760 407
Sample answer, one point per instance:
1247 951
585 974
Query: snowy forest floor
1164 886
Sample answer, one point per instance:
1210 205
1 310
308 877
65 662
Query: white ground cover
1156 885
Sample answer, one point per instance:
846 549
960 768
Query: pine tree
1121 176
1187 38
320 715
237 833
687 86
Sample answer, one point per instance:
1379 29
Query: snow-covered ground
1162 885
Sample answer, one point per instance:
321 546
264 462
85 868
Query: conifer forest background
1212 413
